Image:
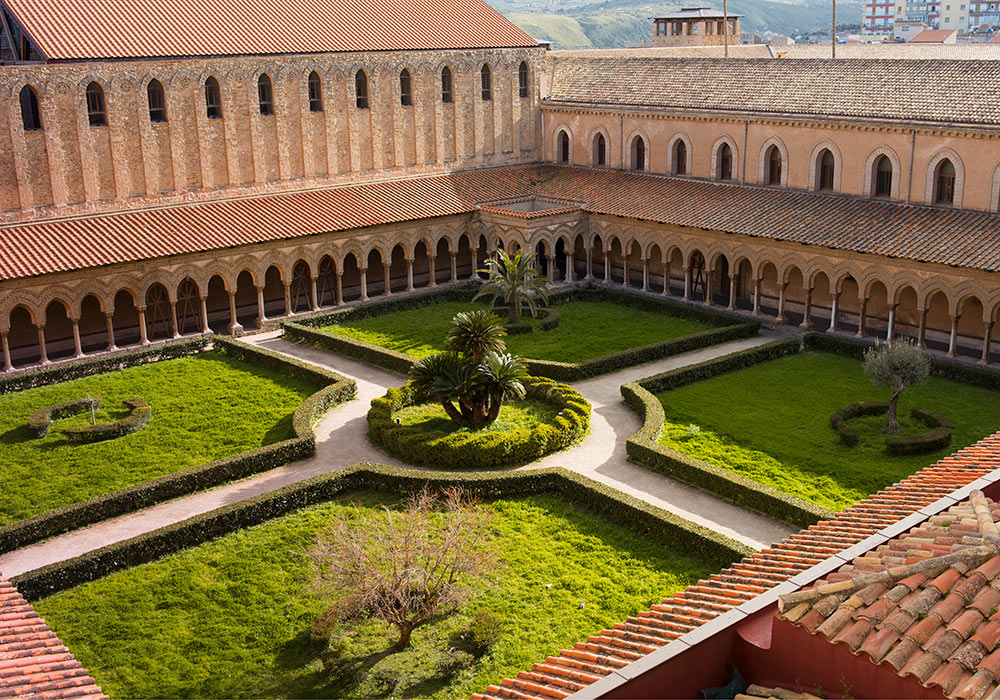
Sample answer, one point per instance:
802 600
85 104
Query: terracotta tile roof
924 604
610 649
90 29
957 237
933 36
33 662
929 91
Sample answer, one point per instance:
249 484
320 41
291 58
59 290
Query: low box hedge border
607 502
838 421
729 326
336 389
938 436
480 451
952 369
138 416
644 448
87 366
548 320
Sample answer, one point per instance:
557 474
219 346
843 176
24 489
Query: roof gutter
734 616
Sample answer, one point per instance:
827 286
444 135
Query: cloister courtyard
170 558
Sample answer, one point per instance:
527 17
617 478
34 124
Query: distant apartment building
880 17
696 26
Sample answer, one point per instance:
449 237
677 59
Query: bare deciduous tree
404 566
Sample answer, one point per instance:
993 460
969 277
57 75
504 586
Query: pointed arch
878 181
944 179
825 165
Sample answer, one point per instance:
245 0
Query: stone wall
71 167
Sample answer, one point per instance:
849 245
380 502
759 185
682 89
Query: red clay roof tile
98 29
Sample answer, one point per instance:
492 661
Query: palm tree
475 333
504 376
516 281
427 378
470 389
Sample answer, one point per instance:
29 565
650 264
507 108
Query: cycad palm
515 281
475 333
503 376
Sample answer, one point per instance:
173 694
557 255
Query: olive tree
404 566
898 365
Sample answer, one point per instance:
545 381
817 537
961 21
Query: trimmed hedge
40 421
951 369
485 450
644 448
139 415
548 320
937 437
605 501
336 390
838 421
88 366
729 326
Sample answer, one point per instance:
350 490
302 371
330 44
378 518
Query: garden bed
552 417
769 423
230 618
598 330
218 415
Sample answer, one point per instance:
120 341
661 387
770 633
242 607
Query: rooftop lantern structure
696 26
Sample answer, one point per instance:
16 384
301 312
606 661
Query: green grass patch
231 618
514 415
587 329
771 423
204 407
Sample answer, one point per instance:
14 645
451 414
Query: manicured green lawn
204 407
231 618
514 415
587 329
771 423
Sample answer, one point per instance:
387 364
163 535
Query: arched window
883 177
265 95
638 153
31 118
825 167
446 91
680 157
361 90
522 79
724 163
563 146
156 101
315 93
944 183
600 150
405 88
773 166
96 111
213 99
487 82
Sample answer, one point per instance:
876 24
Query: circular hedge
548 320
483 450
938 435
40 421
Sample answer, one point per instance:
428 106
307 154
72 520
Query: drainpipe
746 128
909 182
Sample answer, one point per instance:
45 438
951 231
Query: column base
235 329
806 325
780 320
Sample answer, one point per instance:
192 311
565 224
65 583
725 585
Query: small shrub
484 630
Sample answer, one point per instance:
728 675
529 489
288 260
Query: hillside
570 24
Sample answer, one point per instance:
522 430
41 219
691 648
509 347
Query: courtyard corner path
341 440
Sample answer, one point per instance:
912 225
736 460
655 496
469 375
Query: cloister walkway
341 438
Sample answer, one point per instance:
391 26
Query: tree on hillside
898 365
473 379
404 566
515 282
